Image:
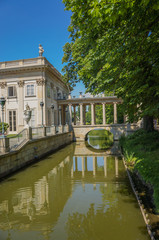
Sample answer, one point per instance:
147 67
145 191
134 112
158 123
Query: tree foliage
115 47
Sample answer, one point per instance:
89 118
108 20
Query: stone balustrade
8 144
28 62
31 151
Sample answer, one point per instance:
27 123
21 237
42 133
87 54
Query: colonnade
67 111
68 107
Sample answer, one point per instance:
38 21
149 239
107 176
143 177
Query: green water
100 139
74 194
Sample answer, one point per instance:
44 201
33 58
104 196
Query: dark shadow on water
94 149
143 230
114 150
11 179
35 166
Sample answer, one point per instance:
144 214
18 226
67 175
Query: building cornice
95 100
30 65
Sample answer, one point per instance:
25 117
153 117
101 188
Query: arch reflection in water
73 194
100 139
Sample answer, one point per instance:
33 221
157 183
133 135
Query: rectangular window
12 91
12 121
30 91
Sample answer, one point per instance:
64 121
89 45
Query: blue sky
26 24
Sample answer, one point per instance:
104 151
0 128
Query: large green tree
115 47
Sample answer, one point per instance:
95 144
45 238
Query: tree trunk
148 124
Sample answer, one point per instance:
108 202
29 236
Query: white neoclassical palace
30 82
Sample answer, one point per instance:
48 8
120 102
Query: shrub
6 126
130 157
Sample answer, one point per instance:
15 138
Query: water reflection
74 194
100 139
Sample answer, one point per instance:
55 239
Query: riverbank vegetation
141 152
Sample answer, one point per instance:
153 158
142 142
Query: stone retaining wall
31 152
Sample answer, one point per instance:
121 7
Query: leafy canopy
115 47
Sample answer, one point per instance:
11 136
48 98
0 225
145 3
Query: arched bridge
80 131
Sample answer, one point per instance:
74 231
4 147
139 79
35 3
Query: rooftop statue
41 50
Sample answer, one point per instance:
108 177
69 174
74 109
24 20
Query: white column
72 170
84 114
20 103
70 114
92 114
94 166
105 166
82 166
39 87
74 107
81 113
104 122
44 100
116 167
115 113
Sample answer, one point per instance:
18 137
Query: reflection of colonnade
72 106
84 166
38 198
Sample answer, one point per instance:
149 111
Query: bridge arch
96 129
117 130
99 139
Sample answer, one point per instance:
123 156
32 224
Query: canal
74 194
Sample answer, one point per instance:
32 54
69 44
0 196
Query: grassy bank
141 151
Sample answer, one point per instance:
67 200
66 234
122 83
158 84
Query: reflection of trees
100 143
109 192
90 226
81 226
100 139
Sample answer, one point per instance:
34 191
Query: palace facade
30 82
